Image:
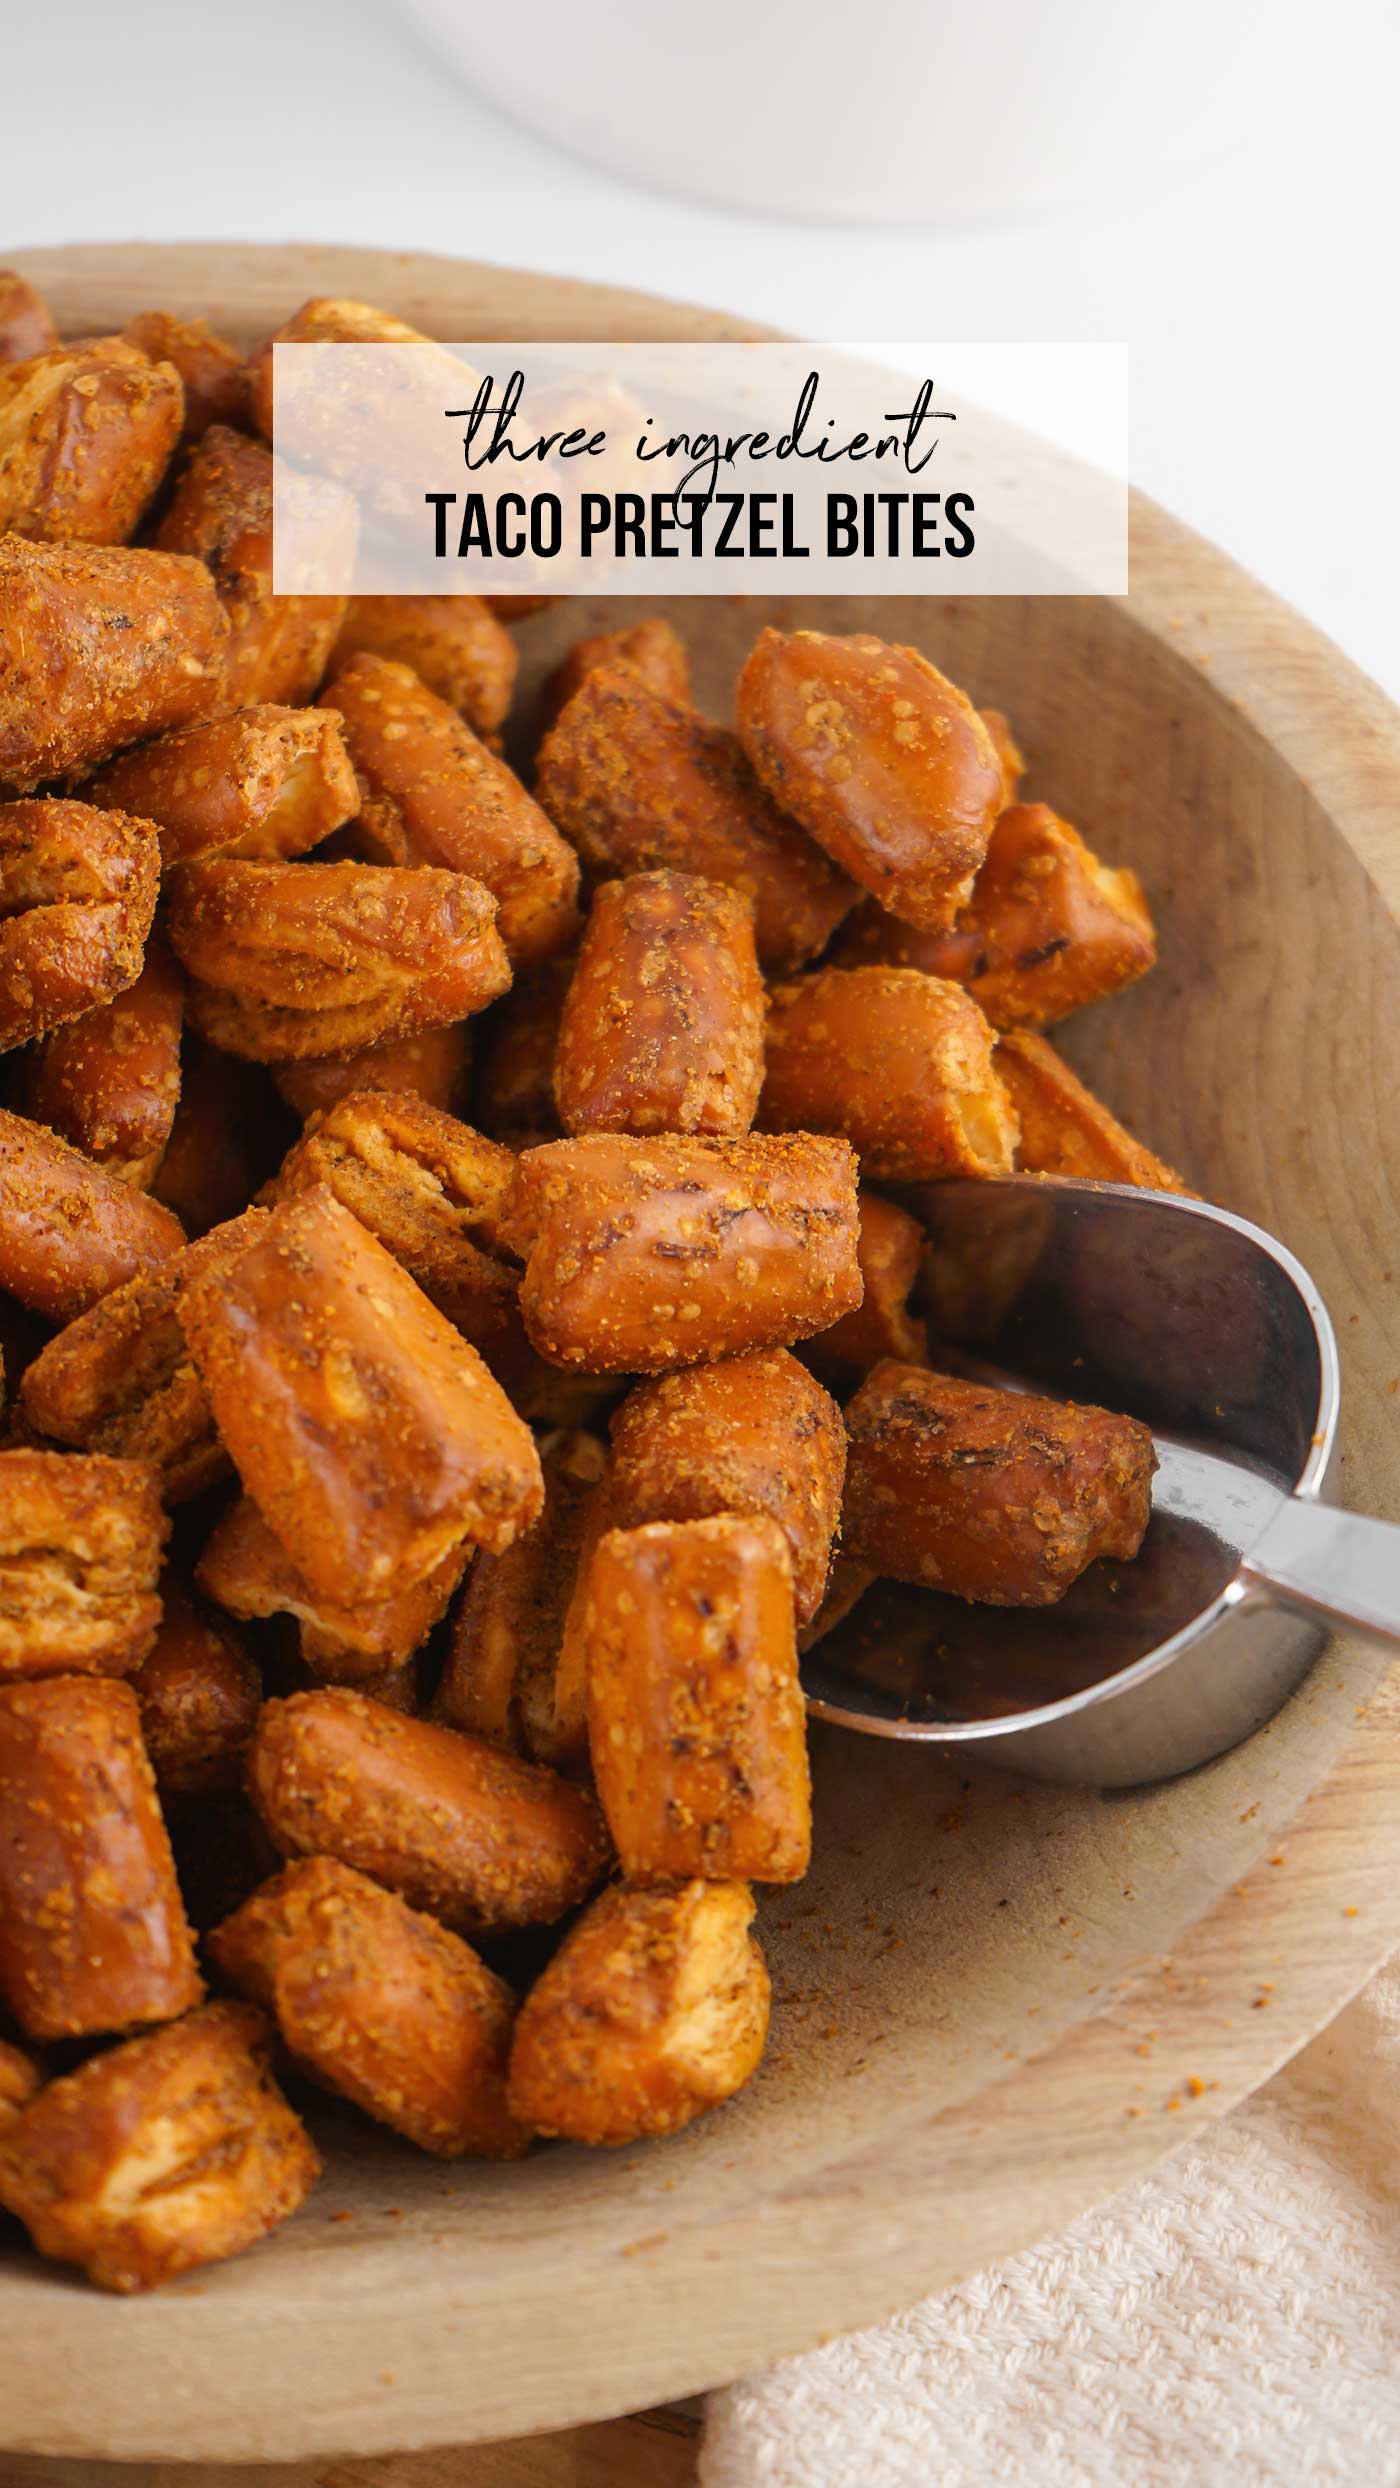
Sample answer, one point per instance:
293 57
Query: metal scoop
1209 1331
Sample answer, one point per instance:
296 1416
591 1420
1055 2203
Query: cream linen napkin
1233 2318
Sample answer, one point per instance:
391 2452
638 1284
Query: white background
1259 296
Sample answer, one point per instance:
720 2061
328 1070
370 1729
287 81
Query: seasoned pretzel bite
324 319
434 1192
69 1231
380 2003
642 783
216 390
899 1062
80 1553
1065 1130
654 2008
995 1496
368 1432
278 646
502 1676
696 1722
173 2151
291 960
433 1065
651 649
846 1584
1008 752
265 783
248 1571
1047 928
26 323
454 644
879 757
230 1130
99 645
119 1379
646 1254
513 1082
199 1689
110 1081
93 1935
475 1837
753 1435
891 1250
86 433
78 891
436 795
662 1028
20 2077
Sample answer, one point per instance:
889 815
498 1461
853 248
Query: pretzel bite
80 1552
502 1675
1047 928
654 2008
86 433
642 783
99 645
643 1255
69 1231
381 2004
846 1584
229 1132
26 324
513 1083
290 960
78 891
519 608
696 1723
662 1029
753 1435
199 1691
1008 752
265 783
995 1496
436 795
216 390
247 1570
92 1932
891 1250
1065 1130
119 1379
368 1432
882 760
20 2077
899 1062
110 1081
433 1065
434 1193
473 1836
173 2151
651 649
221 512
325 319
454 644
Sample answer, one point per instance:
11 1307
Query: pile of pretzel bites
457 1348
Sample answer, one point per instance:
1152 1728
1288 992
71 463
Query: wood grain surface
995 2001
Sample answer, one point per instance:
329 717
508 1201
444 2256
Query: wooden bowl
997 2002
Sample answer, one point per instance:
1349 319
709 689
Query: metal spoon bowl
1208 1330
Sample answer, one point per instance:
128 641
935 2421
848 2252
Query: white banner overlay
701 470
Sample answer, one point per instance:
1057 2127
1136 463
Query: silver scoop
1209 1331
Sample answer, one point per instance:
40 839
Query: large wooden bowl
961 2055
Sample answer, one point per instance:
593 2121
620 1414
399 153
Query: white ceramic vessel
901 110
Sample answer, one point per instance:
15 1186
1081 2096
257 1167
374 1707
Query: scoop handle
1334 1564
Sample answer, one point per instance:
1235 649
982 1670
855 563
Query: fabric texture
1234 2317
